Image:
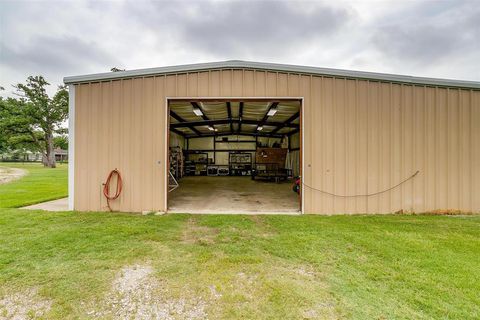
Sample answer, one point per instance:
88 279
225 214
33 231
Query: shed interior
234 156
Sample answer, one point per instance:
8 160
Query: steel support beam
265 117
237 134
287 122
197 105
293 132
181 120
229 111
240 115
177 132
204 116
227 121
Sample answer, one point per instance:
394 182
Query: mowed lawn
111 265
40 184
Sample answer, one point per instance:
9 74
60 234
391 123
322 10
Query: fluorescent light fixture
271 112
260 128
212 128
198 112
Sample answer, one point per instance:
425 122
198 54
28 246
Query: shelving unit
240 163
196 164
218 170
176 160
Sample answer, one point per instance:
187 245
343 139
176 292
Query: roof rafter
204 116
230 121
197 105
180 133
180 119
250 134
240 115
293 132
229 111
265 117
287 122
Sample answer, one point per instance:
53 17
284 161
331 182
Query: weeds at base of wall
437 212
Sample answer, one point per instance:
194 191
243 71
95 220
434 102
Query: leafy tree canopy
61 142
32 120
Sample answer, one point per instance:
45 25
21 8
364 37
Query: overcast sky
62 38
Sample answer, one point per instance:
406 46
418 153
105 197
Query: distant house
29 156
60 155
21 156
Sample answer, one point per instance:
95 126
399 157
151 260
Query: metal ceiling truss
180 133
182 123
273 105
287 123
240 115
198 106
229 111
180 119
293 132
231 121
249 134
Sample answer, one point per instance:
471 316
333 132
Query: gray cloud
266 27
65 54
430 38
431 34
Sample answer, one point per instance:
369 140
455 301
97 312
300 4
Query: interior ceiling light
271 112
212 128
260 128
198 112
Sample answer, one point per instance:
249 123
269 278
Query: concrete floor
201 194
55 205
218 195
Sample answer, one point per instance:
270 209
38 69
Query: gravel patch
10 174
306 271
213 291
137 294
24 305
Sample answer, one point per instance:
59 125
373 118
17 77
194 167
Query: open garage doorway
234 156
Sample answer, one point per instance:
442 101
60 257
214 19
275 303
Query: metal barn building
239 136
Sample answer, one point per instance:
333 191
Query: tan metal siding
360 136
363 137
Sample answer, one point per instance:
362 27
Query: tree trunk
44 160
50 156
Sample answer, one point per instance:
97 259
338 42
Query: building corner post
71 146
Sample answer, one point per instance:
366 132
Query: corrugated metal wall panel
249 83
360 137
475 145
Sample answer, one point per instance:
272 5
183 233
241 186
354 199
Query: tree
3 144
3 137
34 118
61 142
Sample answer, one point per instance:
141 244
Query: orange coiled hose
106 187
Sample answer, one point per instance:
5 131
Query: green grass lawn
40 184
90 265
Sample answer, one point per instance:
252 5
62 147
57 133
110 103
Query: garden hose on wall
106 187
